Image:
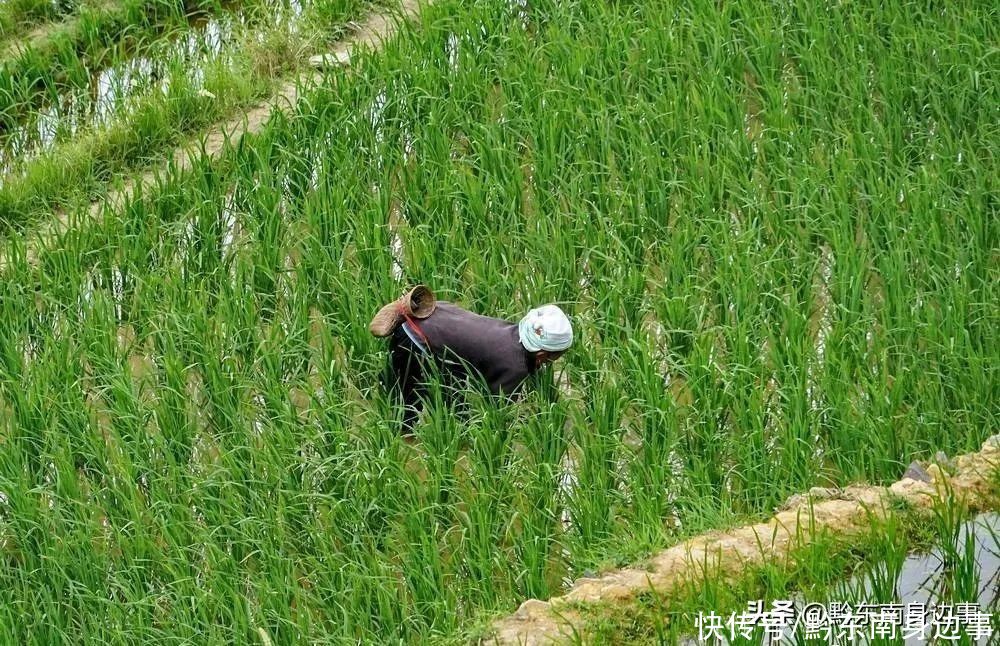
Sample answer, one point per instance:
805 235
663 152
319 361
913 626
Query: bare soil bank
844 513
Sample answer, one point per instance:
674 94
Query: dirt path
39 35
369 34
35 38
844 513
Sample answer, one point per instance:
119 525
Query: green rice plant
956 544
196 444
69 55
185 92
18 15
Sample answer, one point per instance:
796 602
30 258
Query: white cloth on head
545 328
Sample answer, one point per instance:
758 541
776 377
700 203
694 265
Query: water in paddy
925 579
29 17
115 91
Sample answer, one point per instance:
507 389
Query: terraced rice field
117 90
774 225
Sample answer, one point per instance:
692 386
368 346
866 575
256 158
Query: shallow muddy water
115 91
923 575
923 580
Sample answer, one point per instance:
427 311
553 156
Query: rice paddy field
773 223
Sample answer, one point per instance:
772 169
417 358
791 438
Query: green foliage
130 106
874 568
773 226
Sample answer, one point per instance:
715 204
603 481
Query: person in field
465 347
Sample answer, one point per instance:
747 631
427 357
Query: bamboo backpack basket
418 303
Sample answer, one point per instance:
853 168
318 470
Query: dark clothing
464 346
405 375
490 346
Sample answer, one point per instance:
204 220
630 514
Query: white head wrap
545 328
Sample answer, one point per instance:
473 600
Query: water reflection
116 91
924 576
924 580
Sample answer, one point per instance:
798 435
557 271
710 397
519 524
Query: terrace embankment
368 34
726 555
115 91
34 29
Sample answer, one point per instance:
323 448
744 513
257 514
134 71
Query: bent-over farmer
463 345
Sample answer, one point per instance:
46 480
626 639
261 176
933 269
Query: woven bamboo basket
419 303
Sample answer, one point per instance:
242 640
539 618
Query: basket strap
414 325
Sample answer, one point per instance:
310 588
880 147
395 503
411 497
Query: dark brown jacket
489 346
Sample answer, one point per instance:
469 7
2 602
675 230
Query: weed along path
198 441
724 556
369 34
36 37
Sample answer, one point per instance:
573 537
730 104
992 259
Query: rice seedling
774 228
135 109
827 572
19 15
67 55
